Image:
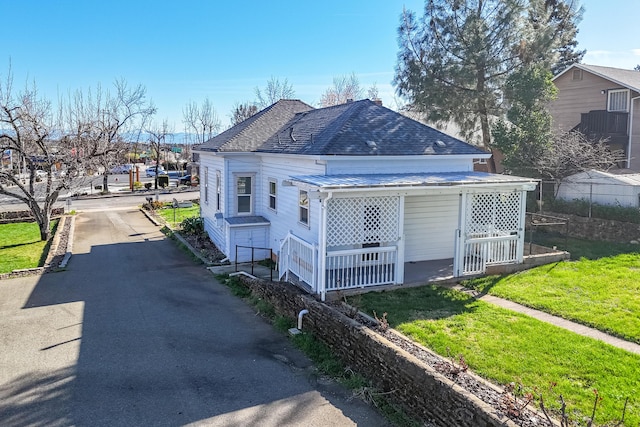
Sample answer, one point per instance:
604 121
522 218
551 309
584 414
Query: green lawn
504 346
21 247
602 293
180 214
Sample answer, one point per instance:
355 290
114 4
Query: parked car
151 172
121 169
185 180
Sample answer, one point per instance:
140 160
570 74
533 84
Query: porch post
400 247
458 254
322 250
521 225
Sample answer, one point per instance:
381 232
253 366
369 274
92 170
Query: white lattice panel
493 213
362 220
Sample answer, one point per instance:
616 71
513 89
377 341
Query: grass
180 214
21 247
602 293
505 347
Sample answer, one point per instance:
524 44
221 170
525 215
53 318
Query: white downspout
630 132
322 251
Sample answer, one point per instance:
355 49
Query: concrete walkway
554 320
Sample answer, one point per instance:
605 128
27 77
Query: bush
193 225
148 185
137 185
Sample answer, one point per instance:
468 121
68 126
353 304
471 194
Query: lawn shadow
428 302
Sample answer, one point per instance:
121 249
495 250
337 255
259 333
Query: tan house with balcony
601 102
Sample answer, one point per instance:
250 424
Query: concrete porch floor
422 272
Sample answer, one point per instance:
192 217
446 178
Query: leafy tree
242 112
273 92
455 59
526 135
201 120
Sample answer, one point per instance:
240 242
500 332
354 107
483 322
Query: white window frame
251 195
304 206
218 191
614 92
206 185
272 196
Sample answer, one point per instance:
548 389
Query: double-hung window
273 188
303 207
218 191
206 184
244 194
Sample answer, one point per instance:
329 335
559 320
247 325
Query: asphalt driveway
134 333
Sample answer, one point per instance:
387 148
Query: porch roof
441 179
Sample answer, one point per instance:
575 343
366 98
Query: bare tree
157 138
572 152
344 88
201 120
242 112
102 122
273 92
27 135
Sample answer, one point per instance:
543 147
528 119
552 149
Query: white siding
423 164
285 218
429 227
239 165
208 209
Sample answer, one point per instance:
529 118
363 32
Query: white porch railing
482 251
300 258
361 267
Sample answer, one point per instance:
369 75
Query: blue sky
187 50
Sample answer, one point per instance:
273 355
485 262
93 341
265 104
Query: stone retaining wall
595 228
16 216
422 392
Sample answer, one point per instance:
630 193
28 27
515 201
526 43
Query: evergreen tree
454 60
526 136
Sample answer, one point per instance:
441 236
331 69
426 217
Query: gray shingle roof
626 78
251 133
362 128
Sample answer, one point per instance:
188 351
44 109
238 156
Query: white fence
482 251
300 258
361 267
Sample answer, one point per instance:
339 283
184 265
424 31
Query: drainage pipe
302 313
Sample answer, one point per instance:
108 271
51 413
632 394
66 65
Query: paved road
134 334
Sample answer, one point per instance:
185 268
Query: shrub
148 185
137 185
193 225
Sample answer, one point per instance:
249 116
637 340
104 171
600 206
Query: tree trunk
105 182
45 228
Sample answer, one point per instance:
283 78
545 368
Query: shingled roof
360 128
626 78
254 131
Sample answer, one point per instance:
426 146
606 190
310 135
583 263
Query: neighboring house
346 195
603 188
601 102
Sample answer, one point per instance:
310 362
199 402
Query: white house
346 195
603 188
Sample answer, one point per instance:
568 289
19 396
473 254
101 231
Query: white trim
616 91
273 195
251 195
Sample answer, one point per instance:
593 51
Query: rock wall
422 392
596 228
